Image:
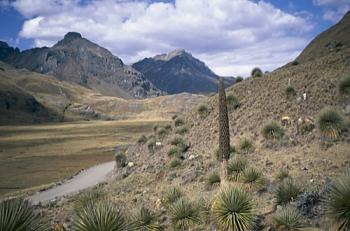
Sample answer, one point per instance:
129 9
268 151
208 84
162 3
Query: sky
230 36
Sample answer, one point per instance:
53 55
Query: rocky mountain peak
172 54
72 36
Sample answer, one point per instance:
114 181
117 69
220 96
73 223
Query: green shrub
179 122
344 86
337 201
145 220
168 127
142 140
256 72
290 91
233 101
287 191
282 174
174 151
181 130
120 159
213 178
330 123
246 145
100 216
295 63
162 132
88 198
235 167
239 79
252 177
289 219
272 131
18 215
175 163
172 195
177 141
233 210
203 111
183 215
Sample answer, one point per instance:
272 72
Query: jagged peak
171 54
72 36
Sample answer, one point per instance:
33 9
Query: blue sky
231 36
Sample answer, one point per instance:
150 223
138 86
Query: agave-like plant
18 215
289 219
287 191
252 177
272 131
145 220
344 86
330 123
232 209
100 217
337 201
172 195
213 178
90 197
235 167
184 215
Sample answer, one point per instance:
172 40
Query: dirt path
83 180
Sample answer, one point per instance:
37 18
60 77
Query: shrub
307 128
101 216
168 127
174 151
177 141
233 210
256 72
142 139
88 198
246 145
145 220
272 131
18 215
337 201
290 91
162 132
155 128
344 86
252 177
181 130
174 117
120 159
233 101
183 215
175 163
172 195
151 144
295 63
179 122
289 219
213 178
239 79
235 167
287 191
203 111
282 174
330 123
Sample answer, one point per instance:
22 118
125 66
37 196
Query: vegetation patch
246 145
239 79
179 122
290 91
174 163
282 174
213 178
272 131
344 86
142 140
184 215
145 220
181 130
232 101
252 177
256 72
120 159
330 123
235 167
172 195
90 197
287 191
289 219
203 111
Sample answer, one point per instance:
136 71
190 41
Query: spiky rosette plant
330 123
272 131
18 215
184 215
172 195
235 167
145 220
100 217
213 178
232 209
253 178
289 219
337 201
344 86
287 191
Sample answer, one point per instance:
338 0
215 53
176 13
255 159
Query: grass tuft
272 131
235 167
287 191
330 123
172 195
145 220
213 178
184 215
232 101
252 177
289 219
344 86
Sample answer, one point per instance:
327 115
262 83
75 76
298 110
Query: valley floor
36 155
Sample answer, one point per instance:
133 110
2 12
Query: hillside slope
78 60
178 71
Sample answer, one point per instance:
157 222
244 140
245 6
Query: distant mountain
76 59
335 40
178 71
6 50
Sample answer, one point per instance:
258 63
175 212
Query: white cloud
334 10
230 36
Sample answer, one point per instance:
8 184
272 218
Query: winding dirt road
83 180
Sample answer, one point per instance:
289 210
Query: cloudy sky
230 36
